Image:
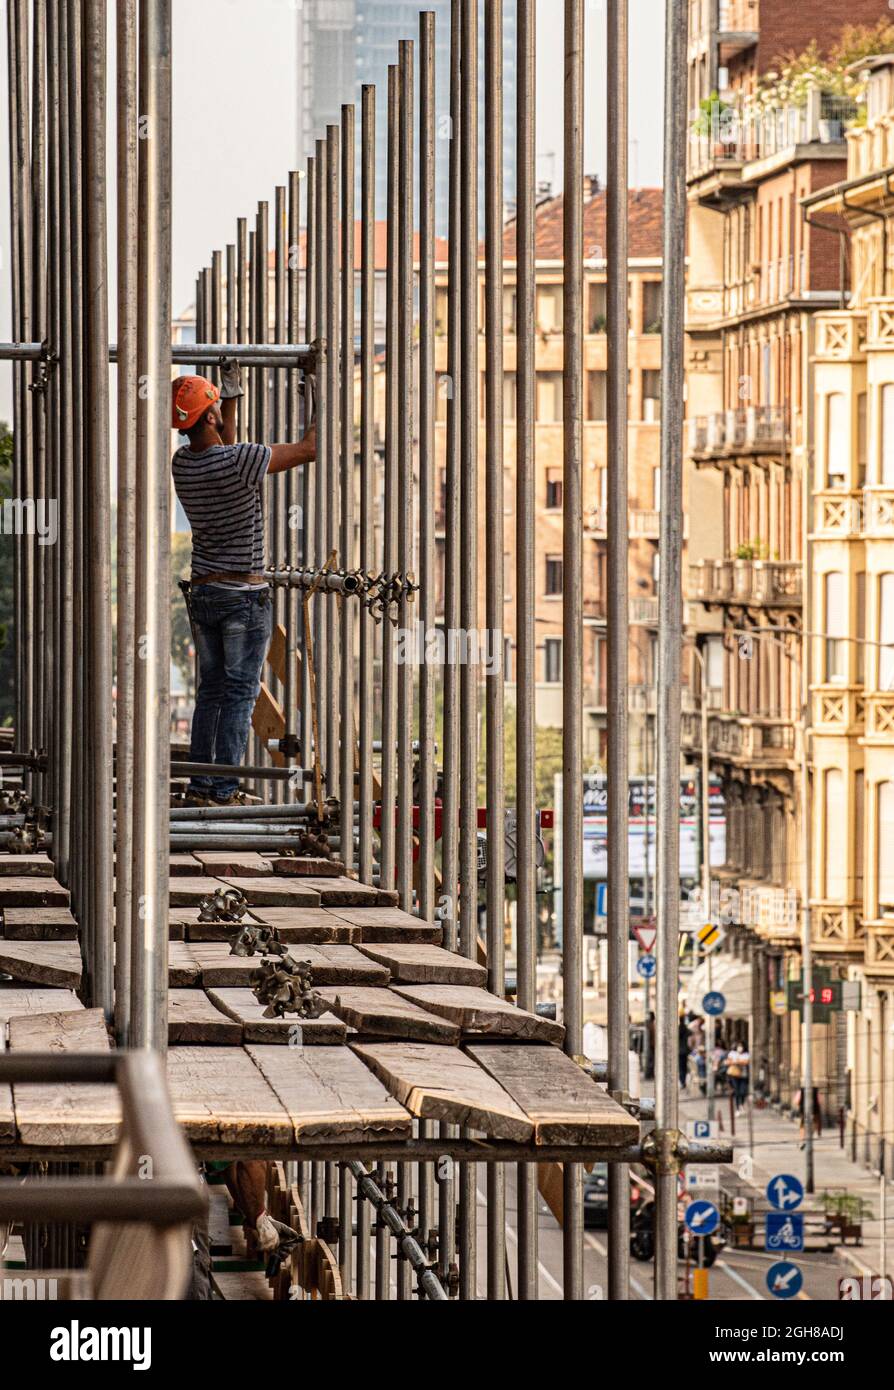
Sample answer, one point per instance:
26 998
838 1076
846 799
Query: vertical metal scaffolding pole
38 394
368 558
389 668
618 633
572 613
405 490
330 701
346 544
281 482
65 649
126 29
153 635
427 464
494 586
670 637
450 763
525 635
324 423
309 472
296 658
80 769
54 390
99 511
468 532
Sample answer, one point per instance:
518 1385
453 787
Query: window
554 489
550 299
597 396
652 306
555 576
860 646
835 861
884 841
597 313
549 398
859 833
441 312
552 660
836 626
510 310
861 439
651 397
886 463
886 632
656 489
837 440
509 397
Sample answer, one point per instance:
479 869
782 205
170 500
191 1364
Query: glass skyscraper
344 44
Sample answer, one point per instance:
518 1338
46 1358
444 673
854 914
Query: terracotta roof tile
645 214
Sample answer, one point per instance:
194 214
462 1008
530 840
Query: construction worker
220 487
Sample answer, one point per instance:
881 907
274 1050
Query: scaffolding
407 814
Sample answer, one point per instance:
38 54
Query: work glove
230 379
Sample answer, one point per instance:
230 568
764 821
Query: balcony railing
753 582
756 739
878 513
644 611
737 133
756 429
838 513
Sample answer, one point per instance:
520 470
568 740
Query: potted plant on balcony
715 122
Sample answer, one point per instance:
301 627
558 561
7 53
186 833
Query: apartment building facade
852 682
644 478
763 270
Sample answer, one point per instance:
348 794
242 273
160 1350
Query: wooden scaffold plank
194 1018
478 1011
421 964
42 962
330 1095
242 1006
64 1115
383 1013
219 1096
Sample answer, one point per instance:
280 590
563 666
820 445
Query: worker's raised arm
230 391
286 456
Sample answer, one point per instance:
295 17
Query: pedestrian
737 1064
683 1050
220 487
817 1116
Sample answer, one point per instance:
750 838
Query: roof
645 206
381 249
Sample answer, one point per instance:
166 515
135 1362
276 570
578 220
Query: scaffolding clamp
661 1151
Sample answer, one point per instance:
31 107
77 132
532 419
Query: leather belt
229 579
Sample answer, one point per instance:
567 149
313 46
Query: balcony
880 717
871 149
839 710
644 611
771 910
840 336
838 515
835 927
748 740
758 429
751 583
879 947
878 513
731 136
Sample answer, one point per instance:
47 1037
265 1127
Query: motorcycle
642 1237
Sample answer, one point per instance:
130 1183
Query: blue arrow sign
601 899
785 1231
714 1003
646 967
702 1218
784 1280
784 1192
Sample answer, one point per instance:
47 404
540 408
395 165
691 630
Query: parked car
596 1196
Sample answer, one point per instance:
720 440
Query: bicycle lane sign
785 1231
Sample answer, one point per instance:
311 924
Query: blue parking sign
785 1231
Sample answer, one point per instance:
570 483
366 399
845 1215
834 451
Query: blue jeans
232 634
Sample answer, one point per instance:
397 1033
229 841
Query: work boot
235 799
196 799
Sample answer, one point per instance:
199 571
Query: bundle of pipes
353 732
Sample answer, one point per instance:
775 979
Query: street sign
740 1206
778 1002
784 1280
702 1218
646 967
785 1231
714 1003
710 936
646 936
700 1129
703 1177
784 1192
601 902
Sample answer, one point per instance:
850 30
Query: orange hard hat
191 396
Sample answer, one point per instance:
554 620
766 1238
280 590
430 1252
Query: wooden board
235 863
183 865
425 965
219 1096
268 722
477 1011
42 962
29 865
193 1018
331 965
390 924
342 892
383 1013
307 866
565 1105
274 891
445 1083
241 1005
14 1003
39 891
189 892
311 924
183 969
70 1115
329 1094
39 924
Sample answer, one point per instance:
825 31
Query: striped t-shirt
220 491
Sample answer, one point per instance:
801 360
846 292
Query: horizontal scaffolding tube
252 774
301 810
190 354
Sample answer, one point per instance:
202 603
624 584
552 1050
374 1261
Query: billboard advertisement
641 814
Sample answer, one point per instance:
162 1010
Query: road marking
511 1236
734 1274
601 1250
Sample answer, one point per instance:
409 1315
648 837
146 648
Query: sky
234 102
